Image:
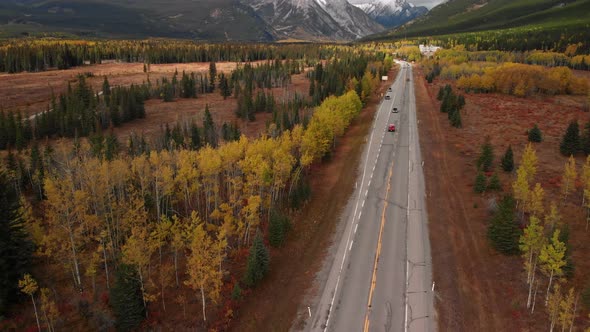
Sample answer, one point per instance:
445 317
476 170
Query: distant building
428 50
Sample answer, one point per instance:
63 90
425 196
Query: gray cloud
426 3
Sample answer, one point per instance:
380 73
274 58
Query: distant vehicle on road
391 127
394 110
387 97
389 90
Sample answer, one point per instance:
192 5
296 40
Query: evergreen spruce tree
480 183
564 237
503 232
455 119
236 293
224 86
486 157
494 183
570 144
535 134
441 93
209 130
15 247
106 91
278 227
258 262
508 160
126 299
111 147
195 137
212 76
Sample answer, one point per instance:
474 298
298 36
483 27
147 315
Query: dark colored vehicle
387 97
395 110
391 127
389 90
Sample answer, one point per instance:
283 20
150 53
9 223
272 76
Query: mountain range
214 20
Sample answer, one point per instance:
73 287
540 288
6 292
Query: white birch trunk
548 287
203 299
534 299
36 314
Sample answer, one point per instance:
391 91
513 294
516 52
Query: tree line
43 54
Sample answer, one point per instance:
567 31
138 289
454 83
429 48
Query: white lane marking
408 222
369 185
350 248
355 228
363 204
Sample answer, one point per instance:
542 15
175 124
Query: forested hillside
539 24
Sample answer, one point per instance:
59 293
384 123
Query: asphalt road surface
381 277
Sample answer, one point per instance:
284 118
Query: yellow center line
378 253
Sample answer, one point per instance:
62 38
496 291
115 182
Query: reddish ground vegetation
478 289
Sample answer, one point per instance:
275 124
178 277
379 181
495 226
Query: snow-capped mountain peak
390 13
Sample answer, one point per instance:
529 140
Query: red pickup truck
391 127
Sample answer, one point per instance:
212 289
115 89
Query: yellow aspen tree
586 181
160 234
529 162
177 242
553 218
282 164
531 242
161 178
537 196
187 178
137 252
569 177
231 155
61 215
166 275
251 216
49 309
521 189
92 269
566 310
202 268
553 305
29 286
552 259
209 162
140 167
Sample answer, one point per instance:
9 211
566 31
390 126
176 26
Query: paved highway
381 278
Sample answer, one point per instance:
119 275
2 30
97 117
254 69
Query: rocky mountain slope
214 20
315 19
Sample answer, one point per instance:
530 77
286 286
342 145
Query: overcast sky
427 3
